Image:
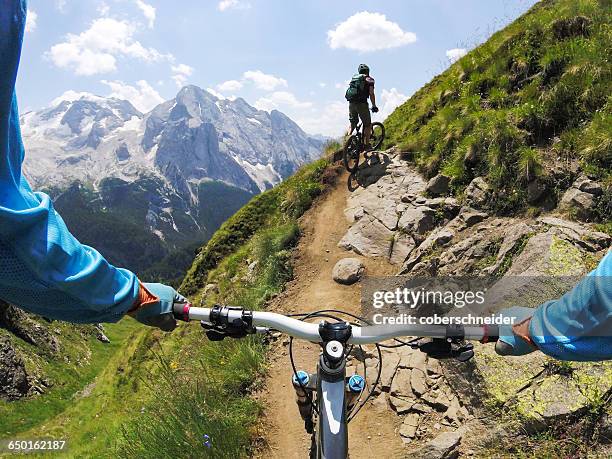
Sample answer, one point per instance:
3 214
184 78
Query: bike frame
332 425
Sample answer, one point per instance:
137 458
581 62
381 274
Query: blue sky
295 56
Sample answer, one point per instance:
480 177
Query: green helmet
364 69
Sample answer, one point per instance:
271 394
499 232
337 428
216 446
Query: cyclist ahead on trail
361 88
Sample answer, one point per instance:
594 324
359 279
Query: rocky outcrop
24 327
580 200
477 193
441 402
348 271
14 382
438 185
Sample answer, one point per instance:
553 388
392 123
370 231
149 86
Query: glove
515 339
155 306
375 109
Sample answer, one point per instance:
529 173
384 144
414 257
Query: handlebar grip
491 334
181 311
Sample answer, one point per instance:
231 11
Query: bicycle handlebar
308 331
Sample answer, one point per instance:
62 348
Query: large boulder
580 199
368 237
438 185
577 203
417 220
348 271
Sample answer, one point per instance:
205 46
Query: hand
374 109
155 306
515 339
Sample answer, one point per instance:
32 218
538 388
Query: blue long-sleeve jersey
43 268
578 326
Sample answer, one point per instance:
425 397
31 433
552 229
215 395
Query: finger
167 322
503 348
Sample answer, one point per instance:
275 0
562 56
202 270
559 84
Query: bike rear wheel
378 135
352 150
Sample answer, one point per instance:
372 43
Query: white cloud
181 73
279 100
70 96
61 5
264 81
142 96
215 93
96 49
390 100
31 18
103 9
230 85
330 119
322 85
148 11
367 31
225 5
455 54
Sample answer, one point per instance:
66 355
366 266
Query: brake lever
217 333
441 348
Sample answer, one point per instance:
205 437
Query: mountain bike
354 145
329 399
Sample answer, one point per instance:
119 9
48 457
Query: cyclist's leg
366 119
353 117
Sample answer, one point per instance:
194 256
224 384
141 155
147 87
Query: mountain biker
43 268
577 326
360 89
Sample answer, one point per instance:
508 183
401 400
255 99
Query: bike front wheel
352 149
378 135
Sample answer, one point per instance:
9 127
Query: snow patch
261 174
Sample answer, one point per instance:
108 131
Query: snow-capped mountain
192 138
177 172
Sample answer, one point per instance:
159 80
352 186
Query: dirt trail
373 432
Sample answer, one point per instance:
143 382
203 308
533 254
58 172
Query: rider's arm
578 326
372 96
43 268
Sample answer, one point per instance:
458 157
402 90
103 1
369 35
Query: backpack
357 90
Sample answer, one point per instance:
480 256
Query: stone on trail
401 405
418 381
417 220
368 237
389 366
348 271
403 245
444 446
409 426
401 383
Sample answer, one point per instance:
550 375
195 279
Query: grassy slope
149 395
201 385
534 98
80 359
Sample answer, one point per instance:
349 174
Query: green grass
286 201
534 96
81 360
203 387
